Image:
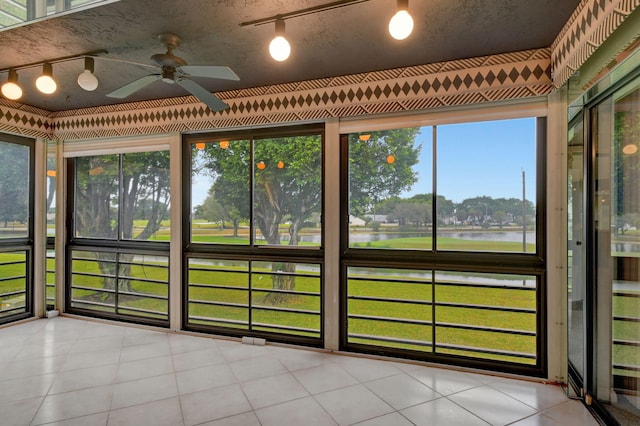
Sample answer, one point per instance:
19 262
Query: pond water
512 236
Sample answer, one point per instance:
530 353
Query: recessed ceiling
348 40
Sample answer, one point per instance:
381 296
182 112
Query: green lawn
444 243
235 276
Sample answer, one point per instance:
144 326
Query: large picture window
254 247
258 191
442 256
486 187
118 256
122 196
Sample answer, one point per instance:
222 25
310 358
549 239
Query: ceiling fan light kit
174 69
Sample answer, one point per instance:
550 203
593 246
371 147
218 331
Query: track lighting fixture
401 24
11 89
45 83
87 79
279 48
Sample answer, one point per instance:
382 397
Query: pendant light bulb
279 48
401 24
45 83
87 79
11 89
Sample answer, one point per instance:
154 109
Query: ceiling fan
175 70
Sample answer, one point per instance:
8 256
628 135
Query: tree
213 211
412 212
109 192
373 174
500 217
287 182
14 183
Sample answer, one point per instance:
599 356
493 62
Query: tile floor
68 371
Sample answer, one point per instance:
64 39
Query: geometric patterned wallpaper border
24 120
462 82
587 29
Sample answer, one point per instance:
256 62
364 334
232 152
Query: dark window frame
24 243
117 245
454 261
251 252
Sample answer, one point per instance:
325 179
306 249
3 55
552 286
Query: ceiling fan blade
210 71
134 86
202 94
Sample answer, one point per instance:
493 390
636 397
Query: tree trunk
286 281
108 268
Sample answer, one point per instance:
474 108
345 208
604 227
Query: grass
235 276
454 244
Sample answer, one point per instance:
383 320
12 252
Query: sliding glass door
616 232
604 253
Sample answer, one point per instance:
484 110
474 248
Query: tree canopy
380 167
14 183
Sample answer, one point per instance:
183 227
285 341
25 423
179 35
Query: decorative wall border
586 30
25 120
462 82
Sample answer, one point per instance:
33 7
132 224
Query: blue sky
476 159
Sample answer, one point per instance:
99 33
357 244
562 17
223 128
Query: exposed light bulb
45 83
279 48
88 81
401 25
11 89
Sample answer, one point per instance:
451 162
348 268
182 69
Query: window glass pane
143 285
220 192
131 284
96 206
219 293
50 279
285 298
93 280
13 283
14 190
490 316
287 190
390 189
390 307
51 189
146 198
616 201
576 253
487 181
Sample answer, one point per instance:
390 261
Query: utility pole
524 216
